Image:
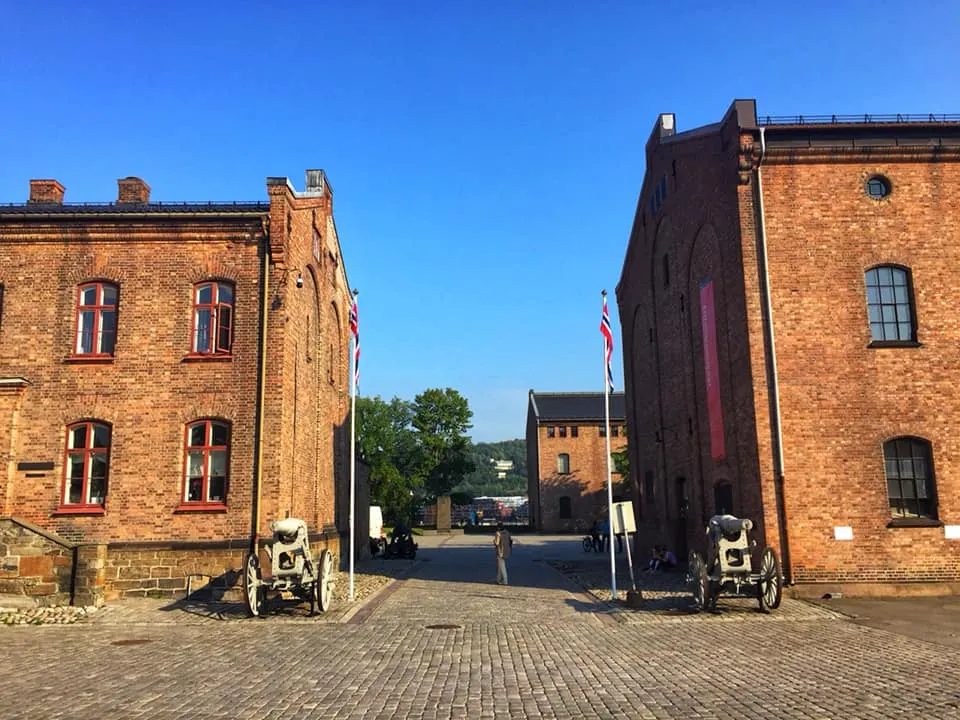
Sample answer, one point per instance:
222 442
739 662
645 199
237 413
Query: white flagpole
606 403
353 449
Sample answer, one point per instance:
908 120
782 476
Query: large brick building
566 457
172 378
790 338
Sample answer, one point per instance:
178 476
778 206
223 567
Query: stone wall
175 570
34 564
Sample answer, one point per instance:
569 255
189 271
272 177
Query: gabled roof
576 406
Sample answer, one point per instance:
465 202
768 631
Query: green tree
440 421
386 442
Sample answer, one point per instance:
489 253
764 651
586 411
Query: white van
377 540
376 522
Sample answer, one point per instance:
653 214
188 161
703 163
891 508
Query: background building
566 457
174 377
790 339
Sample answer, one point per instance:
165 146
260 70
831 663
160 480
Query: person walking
502 545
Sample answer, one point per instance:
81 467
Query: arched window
890 305
908 466
96 319
566 511
206 462
87 464
563 463
212 318
723 498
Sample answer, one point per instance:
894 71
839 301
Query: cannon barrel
288 527
730 525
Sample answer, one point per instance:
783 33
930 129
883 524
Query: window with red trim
87 464
212 318
206 460
96 319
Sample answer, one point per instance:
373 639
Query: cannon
292 569
728 568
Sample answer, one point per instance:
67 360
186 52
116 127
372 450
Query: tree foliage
484 479
416 450
441 419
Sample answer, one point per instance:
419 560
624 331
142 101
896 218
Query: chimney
132 191
46 191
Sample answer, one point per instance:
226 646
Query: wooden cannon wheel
253 590
769 585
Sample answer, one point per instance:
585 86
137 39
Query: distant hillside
484 480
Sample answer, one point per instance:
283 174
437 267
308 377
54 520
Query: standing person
502 544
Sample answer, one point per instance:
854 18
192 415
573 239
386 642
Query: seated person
656 558
669 561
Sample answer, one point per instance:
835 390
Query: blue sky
485 156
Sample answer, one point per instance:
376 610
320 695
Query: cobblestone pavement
541 647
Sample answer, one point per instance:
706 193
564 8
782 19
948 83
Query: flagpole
606 404
353 445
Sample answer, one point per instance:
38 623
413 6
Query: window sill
211 357
89 359
875 344
913 523
80 510
198 507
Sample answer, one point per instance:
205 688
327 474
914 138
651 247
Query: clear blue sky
485 156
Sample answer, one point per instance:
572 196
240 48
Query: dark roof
213 208
576 406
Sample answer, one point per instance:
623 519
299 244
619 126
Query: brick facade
785 209
584 483
153 385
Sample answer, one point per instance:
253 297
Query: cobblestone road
540 648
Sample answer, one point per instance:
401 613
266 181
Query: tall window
889 304
207 456
910 483
96 319
551 431
574 431
563 463
87 464
212 318
566 510
563 431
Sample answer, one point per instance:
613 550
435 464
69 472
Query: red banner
711 369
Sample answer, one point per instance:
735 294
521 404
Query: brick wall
148 391
585 484
692 235
840 400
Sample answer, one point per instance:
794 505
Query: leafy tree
386 442
440 420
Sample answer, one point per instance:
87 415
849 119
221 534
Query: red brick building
174 377
566 457
790 336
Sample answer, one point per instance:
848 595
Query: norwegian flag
607 339
355 331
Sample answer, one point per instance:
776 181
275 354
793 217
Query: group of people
600 534
661 559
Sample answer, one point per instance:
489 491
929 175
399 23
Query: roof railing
866 118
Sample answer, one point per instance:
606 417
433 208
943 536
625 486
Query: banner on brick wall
711 369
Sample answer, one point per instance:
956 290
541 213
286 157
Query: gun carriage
728 568
293 569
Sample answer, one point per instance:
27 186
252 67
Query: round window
878 187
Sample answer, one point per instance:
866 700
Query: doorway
723 498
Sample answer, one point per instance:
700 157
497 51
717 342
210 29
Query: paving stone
542 647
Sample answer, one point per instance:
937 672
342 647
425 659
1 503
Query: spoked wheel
698 581
587 544
770 589
323 588
253 590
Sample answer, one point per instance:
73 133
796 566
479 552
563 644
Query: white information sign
951 532
843 532
623 518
